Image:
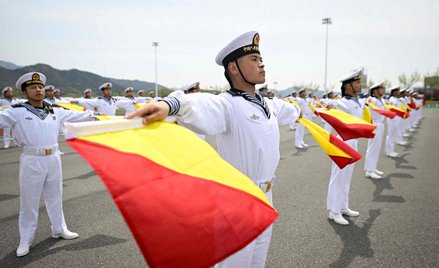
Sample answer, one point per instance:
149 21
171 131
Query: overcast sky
114 38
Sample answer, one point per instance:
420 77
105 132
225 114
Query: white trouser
374 148
254 255
292 125
392 132
6 137
40 174
340 183
401 130
300 132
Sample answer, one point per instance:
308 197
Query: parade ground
398 224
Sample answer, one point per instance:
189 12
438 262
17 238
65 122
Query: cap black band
250 49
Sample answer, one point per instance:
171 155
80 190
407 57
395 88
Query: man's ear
232 68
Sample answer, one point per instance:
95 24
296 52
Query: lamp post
155 45
326 21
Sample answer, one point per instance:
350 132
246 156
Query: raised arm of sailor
151 112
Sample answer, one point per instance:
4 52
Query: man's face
49 93
34 92
88 95
8 94
141 94
302 94
380 92
106 92
57 94
129 94
252 67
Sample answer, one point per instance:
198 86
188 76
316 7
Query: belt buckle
269 184
47 151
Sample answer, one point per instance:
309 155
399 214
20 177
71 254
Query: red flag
185 206
386 113
347 125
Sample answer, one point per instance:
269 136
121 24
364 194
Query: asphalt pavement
398 224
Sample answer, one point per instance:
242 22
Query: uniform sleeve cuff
173 103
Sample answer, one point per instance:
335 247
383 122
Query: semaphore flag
347 125
341 153
185 205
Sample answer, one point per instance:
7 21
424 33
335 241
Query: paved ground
398 225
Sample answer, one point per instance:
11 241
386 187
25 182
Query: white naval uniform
40 163
126 103
332 103
247 139
300 129
402 126
102 105
4 102
374 144
340 181
392 128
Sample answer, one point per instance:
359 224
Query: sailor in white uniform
340 181
246 126
48 92
141 97
376 93
190 89
392 124
5 102
104 104
328 102
128 101
36 126
307 114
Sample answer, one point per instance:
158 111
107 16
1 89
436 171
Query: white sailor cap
404 89
30 79
301 90
376 85
394 88
49 87
87 90
329 91
262 87
6 89
105 85
352 77
293 91
56 90
128 89
192 86
247 43
140 91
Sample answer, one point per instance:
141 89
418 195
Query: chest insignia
254 117
28 118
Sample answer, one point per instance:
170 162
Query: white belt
266 186
40 151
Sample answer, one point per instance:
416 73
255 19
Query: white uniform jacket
247 134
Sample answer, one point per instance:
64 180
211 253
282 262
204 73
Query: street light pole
326 21
155 45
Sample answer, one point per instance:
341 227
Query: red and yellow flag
386 113
341 153
367 116
347 125
399 111
185 206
